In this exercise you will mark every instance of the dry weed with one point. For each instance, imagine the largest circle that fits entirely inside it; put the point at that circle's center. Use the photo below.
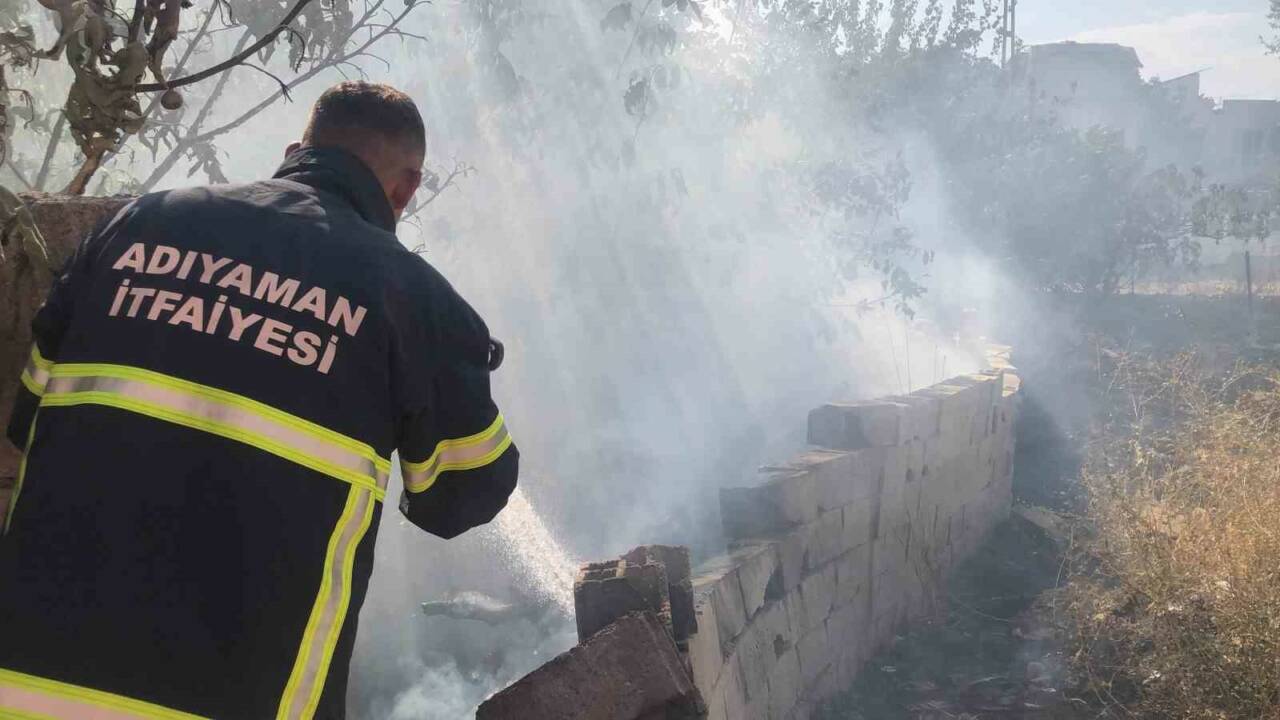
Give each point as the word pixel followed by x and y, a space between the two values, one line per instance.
pixel 1175 601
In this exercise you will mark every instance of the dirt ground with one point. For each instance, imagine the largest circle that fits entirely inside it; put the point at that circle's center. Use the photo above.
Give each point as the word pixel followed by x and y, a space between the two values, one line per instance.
pixel 991 654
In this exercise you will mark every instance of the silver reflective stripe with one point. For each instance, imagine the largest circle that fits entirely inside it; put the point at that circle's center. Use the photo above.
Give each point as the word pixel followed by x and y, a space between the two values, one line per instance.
pixel 466 454
pixel 221 414
pixel 27 696
pixel 36 375
pixel 311 668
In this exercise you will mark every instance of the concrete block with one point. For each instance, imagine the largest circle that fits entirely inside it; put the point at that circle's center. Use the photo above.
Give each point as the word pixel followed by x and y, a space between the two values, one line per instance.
pixel 893 482
pixel 840 477
pixel 627 670
pixel 820 689
pixel 833 473
pixel 888 595
pixel 988 452
pixel 716 709
pixel 785 685
pixel 605 591
pixel 706 656
pixel 939 495
pixel 920 420
pixel 913 460
pixel 991 383
pixel 718 583
pixel 850 426
pixel 759 574
pixel 860 520
pixel 890 553
pixel 675 559
pixel 848 636
pixel 817 597
pixel 793 553
pixel 826 540
pixel 931 459
pixel 785 500
pixel 853 575
pixel 963 402
pixel 815 655
pixel 998 356
pixel 729 692
pixel 870 466
pixel 766 638
pixel 757 708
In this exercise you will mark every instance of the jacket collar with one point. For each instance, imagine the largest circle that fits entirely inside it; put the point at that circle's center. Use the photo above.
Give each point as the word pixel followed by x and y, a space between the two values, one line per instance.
pixel 339 172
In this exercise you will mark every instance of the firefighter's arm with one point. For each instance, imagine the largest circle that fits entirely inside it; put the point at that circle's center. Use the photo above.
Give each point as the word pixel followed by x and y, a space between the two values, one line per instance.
pixel 456 455
pixel 47 330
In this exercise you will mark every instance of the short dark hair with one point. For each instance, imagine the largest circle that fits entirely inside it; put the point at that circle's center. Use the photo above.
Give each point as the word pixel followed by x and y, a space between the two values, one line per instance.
pixel 349 112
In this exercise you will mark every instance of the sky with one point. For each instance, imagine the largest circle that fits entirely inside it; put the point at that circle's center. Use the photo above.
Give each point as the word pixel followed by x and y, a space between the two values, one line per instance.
pixel 1172 37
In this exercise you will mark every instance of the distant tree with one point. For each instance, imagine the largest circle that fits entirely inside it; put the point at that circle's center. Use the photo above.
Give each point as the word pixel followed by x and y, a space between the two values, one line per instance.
pixel 110 54
pixel 1273 18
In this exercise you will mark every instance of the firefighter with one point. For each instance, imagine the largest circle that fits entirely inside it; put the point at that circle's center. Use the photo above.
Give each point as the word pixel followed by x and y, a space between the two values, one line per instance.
pixel 218 382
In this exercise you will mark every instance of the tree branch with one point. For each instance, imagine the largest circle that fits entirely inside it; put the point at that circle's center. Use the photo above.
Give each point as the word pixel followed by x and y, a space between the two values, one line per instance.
pixel 18 173
pixel 55 139
pixel 232 61
pixel 329 63
pixel 135 22
pixel 335 59
pixel 92 161
pixel 184 144
pixel 283 87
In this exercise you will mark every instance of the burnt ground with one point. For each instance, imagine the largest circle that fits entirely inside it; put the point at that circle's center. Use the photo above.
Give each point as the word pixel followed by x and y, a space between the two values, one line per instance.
pixel 992 653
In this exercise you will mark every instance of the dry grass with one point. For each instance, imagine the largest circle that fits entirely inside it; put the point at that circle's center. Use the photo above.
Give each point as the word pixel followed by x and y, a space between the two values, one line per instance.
pixel 1175 602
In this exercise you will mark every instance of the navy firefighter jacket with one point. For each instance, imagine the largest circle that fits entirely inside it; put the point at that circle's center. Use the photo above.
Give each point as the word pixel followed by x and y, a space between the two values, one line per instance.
pixel 219 380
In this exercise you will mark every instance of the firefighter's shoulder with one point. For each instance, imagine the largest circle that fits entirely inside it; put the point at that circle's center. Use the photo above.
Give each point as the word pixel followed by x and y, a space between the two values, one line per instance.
pixel 433 299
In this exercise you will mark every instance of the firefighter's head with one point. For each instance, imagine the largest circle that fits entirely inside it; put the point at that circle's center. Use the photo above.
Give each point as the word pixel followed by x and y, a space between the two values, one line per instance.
pixel 381 126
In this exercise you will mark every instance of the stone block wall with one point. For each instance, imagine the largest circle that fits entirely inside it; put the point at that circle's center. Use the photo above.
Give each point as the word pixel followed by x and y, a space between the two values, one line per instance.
pixel 830 555
pixel 24 281
pixel 836 551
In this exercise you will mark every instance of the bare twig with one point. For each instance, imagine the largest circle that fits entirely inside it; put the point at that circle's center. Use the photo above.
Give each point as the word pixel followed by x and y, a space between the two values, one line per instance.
pixel 8 161
pixel 284 88
pixel 320 67
pixel 92 161
pixel 336 59
pixel 232 61
pixel 55 138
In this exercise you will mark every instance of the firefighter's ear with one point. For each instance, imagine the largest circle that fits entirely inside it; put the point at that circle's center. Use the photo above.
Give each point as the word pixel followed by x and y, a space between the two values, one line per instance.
pixel 400 192
pixel 291 148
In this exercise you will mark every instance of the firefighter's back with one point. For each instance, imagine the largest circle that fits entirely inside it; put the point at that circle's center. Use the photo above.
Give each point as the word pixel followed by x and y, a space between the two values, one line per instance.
pixel 209 452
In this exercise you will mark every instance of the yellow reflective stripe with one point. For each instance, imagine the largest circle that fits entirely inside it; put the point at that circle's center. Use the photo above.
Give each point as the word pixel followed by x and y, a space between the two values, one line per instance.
pixel 28 696
pixel 38 360
pixel 220 413
pixel 32 384
pixel 22 473
pixel 465 453
pixel 36 374
pixel 228 398
pixel 311 668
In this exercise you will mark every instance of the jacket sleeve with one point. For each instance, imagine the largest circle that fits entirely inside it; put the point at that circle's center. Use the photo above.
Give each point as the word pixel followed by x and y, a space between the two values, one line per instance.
pixel 47 329
pixel 456 455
